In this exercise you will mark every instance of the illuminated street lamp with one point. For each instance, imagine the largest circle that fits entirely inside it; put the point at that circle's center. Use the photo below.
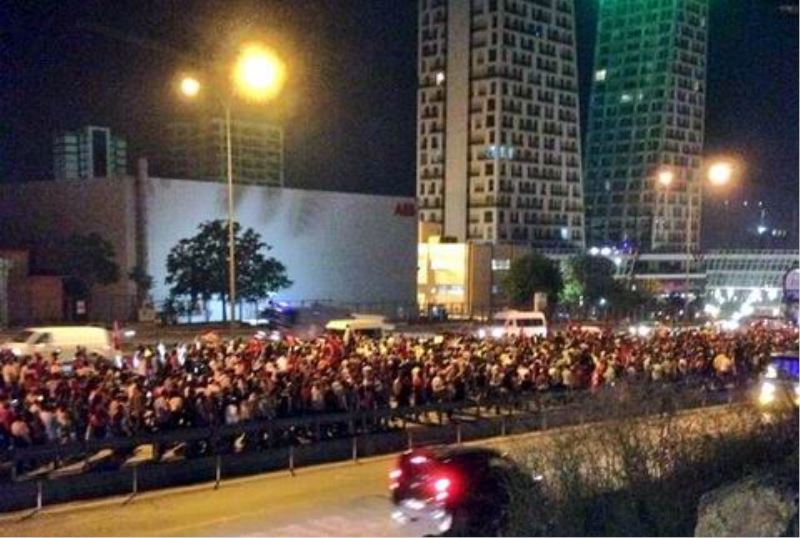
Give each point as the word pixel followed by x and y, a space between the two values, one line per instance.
pixel 718 174
pixel 190 86
pixel 665 177
pixel 258 75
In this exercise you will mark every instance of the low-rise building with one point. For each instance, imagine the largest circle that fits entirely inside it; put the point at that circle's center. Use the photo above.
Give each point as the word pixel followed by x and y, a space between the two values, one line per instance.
pixel 337 247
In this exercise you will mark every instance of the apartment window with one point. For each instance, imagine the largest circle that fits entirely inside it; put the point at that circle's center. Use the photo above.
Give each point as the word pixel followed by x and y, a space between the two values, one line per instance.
pixel 488 216
pixel 600 75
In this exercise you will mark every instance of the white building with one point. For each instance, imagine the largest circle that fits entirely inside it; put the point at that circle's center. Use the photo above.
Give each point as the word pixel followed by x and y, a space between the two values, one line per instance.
pixel 355 250
pixel 498 153
pixel 90 152
pixel 196 149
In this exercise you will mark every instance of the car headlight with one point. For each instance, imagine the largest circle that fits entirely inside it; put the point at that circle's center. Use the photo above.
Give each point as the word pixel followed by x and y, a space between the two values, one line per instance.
pixel 767 395
pixel 497 333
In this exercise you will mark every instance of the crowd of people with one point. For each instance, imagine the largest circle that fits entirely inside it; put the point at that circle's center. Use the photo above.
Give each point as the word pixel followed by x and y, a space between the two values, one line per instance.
pixel 211 382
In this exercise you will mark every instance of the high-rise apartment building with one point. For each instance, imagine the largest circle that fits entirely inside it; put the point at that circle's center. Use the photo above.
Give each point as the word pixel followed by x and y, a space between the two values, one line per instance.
pixel 197 150
pixel 87 153
pixel 498 152
pixel 645 121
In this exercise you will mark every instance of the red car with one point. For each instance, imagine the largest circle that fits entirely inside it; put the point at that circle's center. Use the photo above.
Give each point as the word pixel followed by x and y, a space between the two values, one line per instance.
pixel 453 490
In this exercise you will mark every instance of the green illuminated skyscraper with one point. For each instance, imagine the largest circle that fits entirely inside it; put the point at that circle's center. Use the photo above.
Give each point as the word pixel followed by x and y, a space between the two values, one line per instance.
pixel 646 120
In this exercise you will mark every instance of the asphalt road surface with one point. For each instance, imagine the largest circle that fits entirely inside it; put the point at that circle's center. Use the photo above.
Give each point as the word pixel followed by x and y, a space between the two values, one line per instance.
pixel 343 499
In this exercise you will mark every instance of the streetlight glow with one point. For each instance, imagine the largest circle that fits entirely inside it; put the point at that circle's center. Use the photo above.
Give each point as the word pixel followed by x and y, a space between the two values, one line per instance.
pixel 258 73
pixel 190 86
pixel 665 177
pixel 720 173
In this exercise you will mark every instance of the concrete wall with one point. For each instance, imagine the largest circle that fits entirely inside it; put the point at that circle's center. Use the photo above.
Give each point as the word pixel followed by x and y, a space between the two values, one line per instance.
pixel 339 246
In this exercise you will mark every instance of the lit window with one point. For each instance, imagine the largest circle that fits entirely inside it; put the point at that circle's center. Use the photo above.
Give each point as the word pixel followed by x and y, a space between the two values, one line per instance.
pixel 501 265
pixel 439 78
pixel 625 98
pixel 565 233
pixel 600 75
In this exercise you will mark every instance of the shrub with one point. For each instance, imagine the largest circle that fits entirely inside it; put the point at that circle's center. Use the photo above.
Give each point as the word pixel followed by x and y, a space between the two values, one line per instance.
pixel 642 476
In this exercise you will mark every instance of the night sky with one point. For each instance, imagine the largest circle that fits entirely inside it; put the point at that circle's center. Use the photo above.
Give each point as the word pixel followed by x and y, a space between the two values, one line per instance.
pixel 349 106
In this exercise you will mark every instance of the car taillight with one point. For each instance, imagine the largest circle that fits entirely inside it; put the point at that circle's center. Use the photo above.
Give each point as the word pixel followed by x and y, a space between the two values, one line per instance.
pixel 394 476
pixel 442 488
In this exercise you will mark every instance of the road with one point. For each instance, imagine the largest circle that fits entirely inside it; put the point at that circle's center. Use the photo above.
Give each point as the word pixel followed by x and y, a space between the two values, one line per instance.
pixel 342 499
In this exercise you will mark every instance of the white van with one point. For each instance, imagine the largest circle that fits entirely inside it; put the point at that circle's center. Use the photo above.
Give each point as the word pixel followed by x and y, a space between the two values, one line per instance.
pixel 373 326
pixel 66 340
pixel 516 323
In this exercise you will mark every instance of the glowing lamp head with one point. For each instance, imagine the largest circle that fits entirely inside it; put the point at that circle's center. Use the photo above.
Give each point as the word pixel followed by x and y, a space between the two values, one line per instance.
pixel 441 485
pixel 259 73
pixel 665 178
pixel 190 86
pixel 720 173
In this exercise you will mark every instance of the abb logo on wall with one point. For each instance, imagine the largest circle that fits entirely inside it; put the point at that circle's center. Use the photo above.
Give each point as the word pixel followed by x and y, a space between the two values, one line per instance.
pixel 406 209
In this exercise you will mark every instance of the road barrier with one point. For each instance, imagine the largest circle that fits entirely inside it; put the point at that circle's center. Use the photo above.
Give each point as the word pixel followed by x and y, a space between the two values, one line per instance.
pixel 367 435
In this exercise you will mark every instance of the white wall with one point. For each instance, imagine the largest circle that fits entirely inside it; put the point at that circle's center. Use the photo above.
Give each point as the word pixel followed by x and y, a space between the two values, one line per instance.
pixel 339 246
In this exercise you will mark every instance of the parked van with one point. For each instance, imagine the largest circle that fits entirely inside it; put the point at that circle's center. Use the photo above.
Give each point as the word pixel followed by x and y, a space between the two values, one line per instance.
pixel 66 340
pixel 372 326
pixel 516 323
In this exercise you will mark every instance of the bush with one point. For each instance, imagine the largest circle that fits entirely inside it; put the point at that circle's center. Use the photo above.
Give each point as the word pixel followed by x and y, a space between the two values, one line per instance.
pixel 643 476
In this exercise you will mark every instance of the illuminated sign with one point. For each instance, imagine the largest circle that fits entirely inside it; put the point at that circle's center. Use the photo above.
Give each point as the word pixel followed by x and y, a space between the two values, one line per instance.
pixel 791 285
pixel 405 209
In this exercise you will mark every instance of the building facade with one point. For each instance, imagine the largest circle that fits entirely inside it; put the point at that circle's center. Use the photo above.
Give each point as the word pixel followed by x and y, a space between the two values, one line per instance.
pixel 498 140
pixel 338 248
pixel 90 152
pixel 197 150
pixel 646 118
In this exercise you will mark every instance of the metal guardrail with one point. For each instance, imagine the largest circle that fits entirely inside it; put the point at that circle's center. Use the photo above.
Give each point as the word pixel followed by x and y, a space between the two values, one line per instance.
pixel 516 415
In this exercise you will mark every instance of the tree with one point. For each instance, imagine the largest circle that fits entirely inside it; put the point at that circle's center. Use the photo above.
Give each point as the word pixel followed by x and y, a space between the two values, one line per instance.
pixel 197 267
pixel 144 282
pixel 590 278
pixel 87 260
pixel 531 274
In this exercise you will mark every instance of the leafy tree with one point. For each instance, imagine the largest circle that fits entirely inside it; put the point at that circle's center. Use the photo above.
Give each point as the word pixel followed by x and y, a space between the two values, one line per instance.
pixel 144 282
pixel 590 277
pixel 531 274
pixel 87 260
pixel 198 266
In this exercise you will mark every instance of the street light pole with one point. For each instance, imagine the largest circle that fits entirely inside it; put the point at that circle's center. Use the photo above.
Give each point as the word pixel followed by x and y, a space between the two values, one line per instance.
pixel 231 232
pixel 258 75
